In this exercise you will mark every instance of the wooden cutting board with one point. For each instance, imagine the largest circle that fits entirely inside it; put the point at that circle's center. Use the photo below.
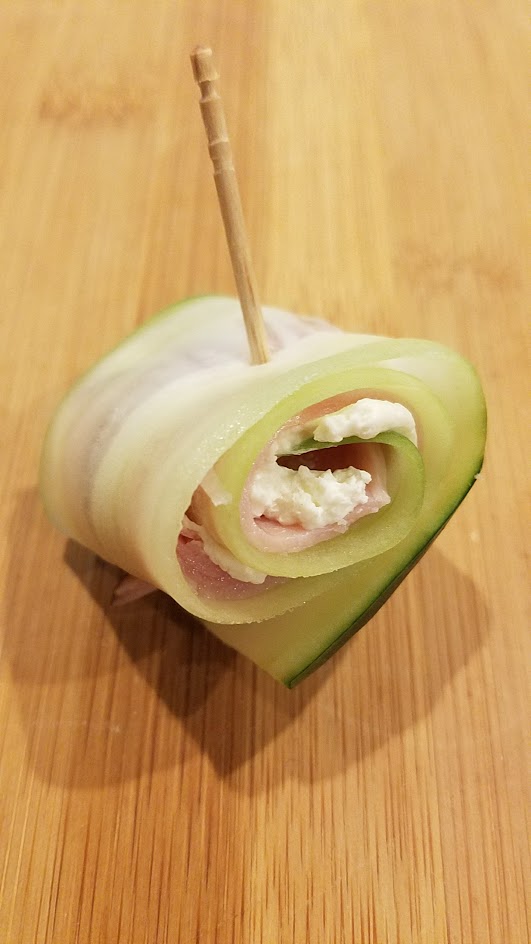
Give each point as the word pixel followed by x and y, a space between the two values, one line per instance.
pixel 154 786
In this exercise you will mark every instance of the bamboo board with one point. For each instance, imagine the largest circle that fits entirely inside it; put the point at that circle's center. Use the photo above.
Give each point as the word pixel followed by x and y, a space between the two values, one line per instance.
pixel 154 787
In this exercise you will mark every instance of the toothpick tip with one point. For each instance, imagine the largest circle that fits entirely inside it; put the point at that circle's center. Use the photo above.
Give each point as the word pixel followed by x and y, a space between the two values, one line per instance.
pixel 203 64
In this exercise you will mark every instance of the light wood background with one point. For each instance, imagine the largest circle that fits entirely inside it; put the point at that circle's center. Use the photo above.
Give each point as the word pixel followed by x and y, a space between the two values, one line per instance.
pixel 155 788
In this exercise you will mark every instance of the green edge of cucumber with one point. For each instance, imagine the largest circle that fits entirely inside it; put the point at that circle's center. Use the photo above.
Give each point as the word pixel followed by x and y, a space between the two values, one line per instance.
pixel 378 602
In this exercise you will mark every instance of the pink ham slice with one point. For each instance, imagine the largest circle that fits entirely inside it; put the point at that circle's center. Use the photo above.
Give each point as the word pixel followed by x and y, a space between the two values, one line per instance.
pixel 208 578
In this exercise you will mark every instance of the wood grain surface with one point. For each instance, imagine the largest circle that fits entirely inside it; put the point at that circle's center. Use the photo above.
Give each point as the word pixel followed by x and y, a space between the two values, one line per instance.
pixel 155 788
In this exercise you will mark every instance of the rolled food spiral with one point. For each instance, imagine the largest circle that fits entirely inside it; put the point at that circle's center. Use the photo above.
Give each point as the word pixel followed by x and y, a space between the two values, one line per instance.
pixel 279 503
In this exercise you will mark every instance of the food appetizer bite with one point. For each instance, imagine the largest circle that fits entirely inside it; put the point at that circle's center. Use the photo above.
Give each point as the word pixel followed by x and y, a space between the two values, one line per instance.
pixel 280 502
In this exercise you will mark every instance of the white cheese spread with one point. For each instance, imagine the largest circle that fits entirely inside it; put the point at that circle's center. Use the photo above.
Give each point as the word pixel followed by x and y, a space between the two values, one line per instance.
pixel 307 497
pixel 366 419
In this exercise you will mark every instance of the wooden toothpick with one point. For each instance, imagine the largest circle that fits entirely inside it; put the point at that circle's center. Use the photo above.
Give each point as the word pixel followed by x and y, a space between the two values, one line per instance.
pixel 206 76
